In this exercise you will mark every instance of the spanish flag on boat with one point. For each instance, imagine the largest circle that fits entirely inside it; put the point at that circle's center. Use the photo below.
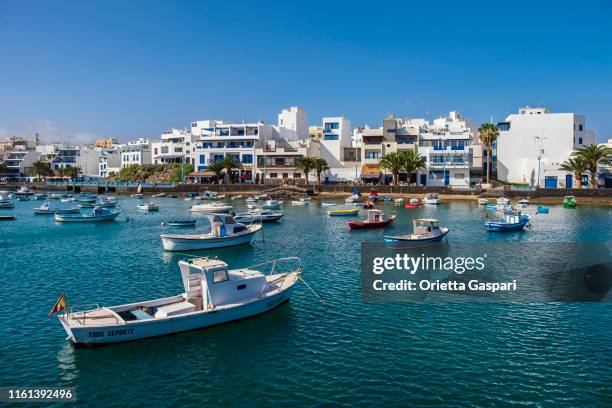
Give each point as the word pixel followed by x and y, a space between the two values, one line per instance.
pixel 60 304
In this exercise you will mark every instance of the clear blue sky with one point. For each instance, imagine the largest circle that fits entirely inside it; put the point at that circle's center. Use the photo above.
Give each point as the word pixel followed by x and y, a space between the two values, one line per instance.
pixel 84 69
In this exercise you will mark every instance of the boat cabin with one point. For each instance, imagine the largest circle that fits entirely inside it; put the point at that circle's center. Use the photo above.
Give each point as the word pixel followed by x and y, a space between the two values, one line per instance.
pixel 425 226
pixel 224 224
pixel 376 216
pixel 432 196
pixel 209 283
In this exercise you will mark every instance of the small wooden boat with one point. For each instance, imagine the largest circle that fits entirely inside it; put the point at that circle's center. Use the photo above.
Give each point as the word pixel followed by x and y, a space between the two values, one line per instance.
pixel 272 205
pixel 211 208
pixel 6 203
pixel 510 222
pixel 523 202
pixel 388 198
pixel 376 219
pixel 342 212
pixel 426 231
pixel 569 202
pixel 213 294
pixel 148 207
pixel 368 204
pixel 542 210
pixel 301 201
pixel 328 203
pixel 258 215
pixel 182 223
pixel 45 208
pixel 225 232
pixel 236 197
pixel 432 198
pixel 413 203
pixel 40 196
pixel 373 195
pixel 7 217
pixel 159 195
pixel 137 195
pixel 23 198
pixel 97 215
pixel 483 201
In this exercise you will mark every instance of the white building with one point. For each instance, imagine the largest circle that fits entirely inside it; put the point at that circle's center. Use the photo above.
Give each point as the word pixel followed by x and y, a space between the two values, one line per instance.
pixel 109 162
pixel 336 147
pixel 276 161
pixel 445 144
pixel 138 153
pixel 533 143
pixel 19 163
pixel 294 120
pixel 171 147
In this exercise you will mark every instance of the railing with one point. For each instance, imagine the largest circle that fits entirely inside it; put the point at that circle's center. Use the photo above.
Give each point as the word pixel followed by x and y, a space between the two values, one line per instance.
pixel 273 270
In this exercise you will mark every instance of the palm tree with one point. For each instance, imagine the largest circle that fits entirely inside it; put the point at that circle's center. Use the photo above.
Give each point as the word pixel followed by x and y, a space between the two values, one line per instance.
pixel 392 162
pixel 306 164
pixel 229 164
pixel 217 168
pixel 594 155
pixel 3 168
pixel 576 166
pixel 41 168
pixel 71 172
pixel 488 133
pixel 412 161
pixel 320 166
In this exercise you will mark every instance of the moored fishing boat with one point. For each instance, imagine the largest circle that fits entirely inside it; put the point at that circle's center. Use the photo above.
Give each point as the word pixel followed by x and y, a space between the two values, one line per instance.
pixel 23 198
pixel 483 201
pixel 182 223
pixel 376 219
pixel 523 202
pixel 87 198
pixel 97 215
pixel 259 215
pixel 569 202
pixel 432 198
pixel 137 195
pixel 510 222
pixel 342 212
pixel 40 196
pixel 398 201
pixel 159 195
pixel 301 201
pixel 328 203
pixel 107 202
pixel 373 195
pixel 6 202
pixel 147 207
pixel 503 201
pixel 7 217
pixel 387 198
pixel 23 191
pixel 271 205
pixel 45 208
pixel 413 203
pixel 213 294
pixel 211 208
pixel 542 210
pixel 53 196
pixel 225 232
pixel 425 231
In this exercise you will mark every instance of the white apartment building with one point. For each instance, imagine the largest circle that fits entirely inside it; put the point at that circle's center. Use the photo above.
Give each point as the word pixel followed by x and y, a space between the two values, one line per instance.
pixel 171 147
pixel 19 163
pixel 445 144
pixel 533 143
pixel 292 124
pixel 109 162
pixel 336 147
pixel 136 153
pixel 276 161
pixel 85 159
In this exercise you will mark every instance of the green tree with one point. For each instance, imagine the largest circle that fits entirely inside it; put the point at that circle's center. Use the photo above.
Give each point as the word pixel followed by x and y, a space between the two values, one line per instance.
pixel 217 168
pixel 229 164
pixel 3 168
pixel 320 167
pixel 394 162
pixel 41 168
pixel 594 155
pixel 306 164
pixel 71 172
pixel 576 166
pixel 179 173
pixel 412 161
pixel 488 133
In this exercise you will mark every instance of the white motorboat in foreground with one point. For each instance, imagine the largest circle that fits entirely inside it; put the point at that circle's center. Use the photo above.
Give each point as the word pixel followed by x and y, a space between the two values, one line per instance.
pixel 211 208
pixel 258 215
pixel 432 198
pixel 225 232
pixel 213 294
pixel 148 207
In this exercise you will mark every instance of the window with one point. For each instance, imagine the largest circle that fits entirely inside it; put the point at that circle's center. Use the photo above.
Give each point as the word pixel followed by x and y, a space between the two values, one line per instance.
pixel 241 286
pixel 331 137
pixel 297 175
pixel 202 159
pixel 247 158
pixel 220 276
pixel 273 175
pixel 155 150
pixel 332 125
pixel 580 128
pixel 579 140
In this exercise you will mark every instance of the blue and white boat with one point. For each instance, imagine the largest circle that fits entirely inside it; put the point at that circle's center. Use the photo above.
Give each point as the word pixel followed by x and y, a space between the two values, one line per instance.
pixel 510 222
pixel 258 216
pixel 328 203
pixel 182 223
pixel 426 231
pixel 6 202
pixel 213 294
pixel 225 232
pixel 85 198
pixel 45 208
pixel 97 215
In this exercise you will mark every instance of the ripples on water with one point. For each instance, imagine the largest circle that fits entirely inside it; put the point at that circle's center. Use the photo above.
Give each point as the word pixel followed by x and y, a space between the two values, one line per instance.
pixel 353 353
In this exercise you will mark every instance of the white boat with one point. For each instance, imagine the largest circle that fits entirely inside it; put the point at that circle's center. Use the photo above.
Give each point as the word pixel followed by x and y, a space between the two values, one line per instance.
pixel 301 201
pixel 53 196
pixel 483 201
pixel 262 197
pixel 40 196
pixel 251 200
pixel 23 198
pixel 225 232
pixel 252 206
pixel 107 202
pixel 502 201
pixel 67 199
pixel 213 294
pixel 97 215
pixel 148 207
pixel 272 205
pixel 6 202
pixel 158 195
pixel 426 231
pixel 352 199
pixel 45 208
pixel 137 195
pixel 236 197
pixel 432 198
pixel 211 208
pixel 258 215
pixel 523 202
pixel 328 203
pixel 24 191
pixel 398 201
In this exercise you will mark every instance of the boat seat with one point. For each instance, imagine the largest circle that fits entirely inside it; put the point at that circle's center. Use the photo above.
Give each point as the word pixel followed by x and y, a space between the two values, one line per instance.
pixel 141 314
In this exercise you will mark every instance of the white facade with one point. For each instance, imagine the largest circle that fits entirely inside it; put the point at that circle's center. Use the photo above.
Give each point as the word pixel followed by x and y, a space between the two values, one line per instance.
pixel 109 162
pixel 276 161
pixel 170 149
pixel 139 154
pixel 293 119
pixel 445 144
pixel 334 147
pixel 533 143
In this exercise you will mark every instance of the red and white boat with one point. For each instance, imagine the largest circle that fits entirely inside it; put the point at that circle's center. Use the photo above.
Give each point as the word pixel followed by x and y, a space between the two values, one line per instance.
pixel 376 219
pixel 413 203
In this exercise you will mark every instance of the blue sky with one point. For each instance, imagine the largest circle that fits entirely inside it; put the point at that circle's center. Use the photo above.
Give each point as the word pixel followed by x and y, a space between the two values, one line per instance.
pixel 79 70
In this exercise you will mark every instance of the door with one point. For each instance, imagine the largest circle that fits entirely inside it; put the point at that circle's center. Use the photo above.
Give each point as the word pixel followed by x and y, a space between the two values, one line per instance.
pixel 568 181
pixel 423 179
pixel 446 178
pixel 550 182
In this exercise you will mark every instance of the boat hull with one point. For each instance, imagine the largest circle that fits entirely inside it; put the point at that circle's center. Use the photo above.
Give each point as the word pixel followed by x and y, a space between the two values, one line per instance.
pixel 255 218
pixel 85 218
pixel 187 243
pixel 38 211
pixel 365 225
pixel 397 242
pixel 160 327
pixel 342 213
pixel 495 226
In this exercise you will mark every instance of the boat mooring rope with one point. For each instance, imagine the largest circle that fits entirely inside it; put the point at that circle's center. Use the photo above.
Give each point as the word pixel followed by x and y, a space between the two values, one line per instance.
pixel 315 293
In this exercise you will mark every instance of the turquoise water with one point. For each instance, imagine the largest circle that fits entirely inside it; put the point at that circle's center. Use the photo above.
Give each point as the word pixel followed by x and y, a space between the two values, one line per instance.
pixel 353 353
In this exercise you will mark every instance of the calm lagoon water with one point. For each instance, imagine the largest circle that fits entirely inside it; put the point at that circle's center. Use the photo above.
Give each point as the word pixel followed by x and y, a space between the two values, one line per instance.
pixel 353 354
